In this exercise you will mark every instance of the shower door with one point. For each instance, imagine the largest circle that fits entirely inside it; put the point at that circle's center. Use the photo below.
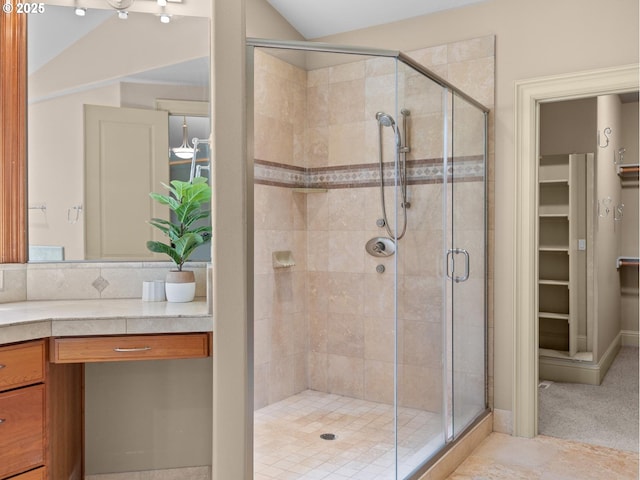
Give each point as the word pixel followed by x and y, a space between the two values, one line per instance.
pixel 465 263
pixel 421 311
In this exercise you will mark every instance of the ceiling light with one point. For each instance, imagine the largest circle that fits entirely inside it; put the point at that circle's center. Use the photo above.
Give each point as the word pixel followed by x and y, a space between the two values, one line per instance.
pixel 81 12
pixel 123 14
pixel 184 150
pixel 162 3
pixel 164 18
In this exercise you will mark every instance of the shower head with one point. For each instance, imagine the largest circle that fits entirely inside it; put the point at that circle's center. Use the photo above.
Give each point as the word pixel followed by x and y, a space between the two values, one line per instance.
pixel 385 119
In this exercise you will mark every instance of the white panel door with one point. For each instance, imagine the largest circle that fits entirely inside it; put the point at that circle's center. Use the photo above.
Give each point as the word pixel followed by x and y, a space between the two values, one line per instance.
pixel 126 157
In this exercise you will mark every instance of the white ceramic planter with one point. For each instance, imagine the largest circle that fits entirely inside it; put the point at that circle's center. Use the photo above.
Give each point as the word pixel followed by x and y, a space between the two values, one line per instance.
pixel 180 287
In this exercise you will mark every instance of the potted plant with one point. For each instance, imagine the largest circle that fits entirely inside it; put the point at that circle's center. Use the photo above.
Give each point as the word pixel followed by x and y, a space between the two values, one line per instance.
pixel 186 201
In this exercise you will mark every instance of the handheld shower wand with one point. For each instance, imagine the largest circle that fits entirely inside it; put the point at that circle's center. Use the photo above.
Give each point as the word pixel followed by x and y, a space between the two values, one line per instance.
pixel 386 120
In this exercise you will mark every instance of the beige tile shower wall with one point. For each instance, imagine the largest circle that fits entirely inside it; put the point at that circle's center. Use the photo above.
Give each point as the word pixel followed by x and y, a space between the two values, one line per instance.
pixel 280 107
pixel 279 316
pixel 280 224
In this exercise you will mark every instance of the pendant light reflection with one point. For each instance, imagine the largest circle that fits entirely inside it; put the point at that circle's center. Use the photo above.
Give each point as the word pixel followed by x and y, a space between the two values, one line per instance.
pixel 185 150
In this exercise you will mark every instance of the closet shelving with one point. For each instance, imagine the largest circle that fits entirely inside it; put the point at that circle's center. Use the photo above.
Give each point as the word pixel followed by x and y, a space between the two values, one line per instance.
pixel 627 262
pixel 630 170
pixel 557 302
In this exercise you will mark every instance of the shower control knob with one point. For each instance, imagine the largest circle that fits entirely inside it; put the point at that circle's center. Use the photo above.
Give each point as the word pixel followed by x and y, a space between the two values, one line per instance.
pixel 380 247
pixel 380 222
pixel 380 269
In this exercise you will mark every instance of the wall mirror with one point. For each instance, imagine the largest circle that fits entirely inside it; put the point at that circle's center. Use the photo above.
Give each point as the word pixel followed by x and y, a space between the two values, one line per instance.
pixel 108 96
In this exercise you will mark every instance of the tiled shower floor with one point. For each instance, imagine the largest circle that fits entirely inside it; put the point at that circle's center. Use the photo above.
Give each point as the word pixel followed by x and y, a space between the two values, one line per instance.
pixel 287 443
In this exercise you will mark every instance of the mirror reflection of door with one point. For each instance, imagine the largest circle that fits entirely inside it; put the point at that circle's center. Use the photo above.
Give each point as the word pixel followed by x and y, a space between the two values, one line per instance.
pixel 125 159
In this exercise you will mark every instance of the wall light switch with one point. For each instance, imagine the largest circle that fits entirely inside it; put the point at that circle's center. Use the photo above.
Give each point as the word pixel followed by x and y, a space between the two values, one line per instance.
pixel 582 244
pixel 1 280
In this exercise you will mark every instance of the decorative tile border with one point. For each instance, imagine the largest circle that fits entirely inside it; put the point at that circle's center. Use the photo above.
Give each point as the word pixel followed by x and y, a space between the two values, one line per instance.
pixel 467 169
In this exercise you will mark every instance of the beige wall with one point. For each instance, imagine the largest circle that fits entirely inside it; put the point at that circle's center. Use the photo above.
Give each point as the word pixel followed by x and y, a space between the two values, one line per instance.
pixel 533 39
pixel 607 235
pixel 98 57
pixel 56 167
pixel 567 127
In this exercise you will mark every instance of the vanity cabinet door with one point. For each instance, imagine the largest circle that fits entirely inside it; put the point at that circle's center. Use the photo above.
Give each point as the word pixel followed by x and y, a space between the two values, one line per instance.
pixel 22 424
pixel 22 364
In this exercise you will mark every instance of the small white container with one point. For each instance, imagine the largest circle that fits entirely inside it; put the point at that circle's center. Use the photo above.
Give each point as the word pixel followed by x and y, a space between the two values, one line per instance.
pixel 153 291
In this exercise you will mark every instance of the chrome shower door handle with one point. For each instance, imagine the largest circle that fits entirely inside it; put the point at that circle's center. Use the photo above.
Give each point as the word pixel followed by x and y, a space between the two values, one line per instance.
pixel 451 268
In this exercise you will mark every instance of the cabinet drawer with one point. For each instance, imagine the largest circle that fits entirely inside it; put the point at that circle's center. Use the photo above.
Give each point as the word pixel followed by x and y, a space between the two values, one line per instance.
pixel 129 347
pixel 38 474
pixel 21 430
pixel 21 364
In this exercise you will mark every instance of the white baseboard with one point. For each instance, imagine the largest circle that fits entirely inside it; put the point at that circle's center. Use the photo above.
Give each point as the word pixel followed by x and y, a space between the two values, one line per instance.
pixel 502 421
pixel 187 473
pixel 630 338
pixel 568 370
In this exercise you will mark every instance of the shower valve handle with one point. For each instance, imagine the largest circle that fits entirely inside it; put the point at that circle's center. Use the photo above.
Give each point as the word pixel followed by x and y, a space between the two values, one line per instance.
pixel 379 247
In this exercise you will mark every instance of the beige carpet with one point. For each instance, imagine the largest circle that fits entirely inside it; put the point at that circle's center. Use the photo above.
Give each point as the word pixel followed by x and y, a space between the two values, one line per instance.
pixel 604 415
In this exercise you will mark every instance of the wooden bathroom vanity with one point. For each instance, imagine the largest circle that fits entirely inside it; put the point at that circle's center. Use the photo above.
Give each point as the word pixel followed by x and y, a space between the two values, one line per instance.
pixel 42 358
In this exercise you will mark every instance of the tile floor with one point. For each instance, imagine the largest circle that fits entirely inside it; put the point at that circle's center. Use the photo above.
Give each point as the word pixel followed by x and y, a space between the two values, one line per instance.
pixel 288 446
pixel 287 443
pixel 503 457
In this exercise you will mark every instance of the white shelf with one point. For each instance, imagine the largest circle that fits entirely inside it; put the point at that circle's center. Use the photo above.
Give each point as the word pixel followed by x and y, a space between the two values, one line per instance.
pixel 554 248
pixel 554 215
pixel 552 181
pixel 554 316
pixel 554 282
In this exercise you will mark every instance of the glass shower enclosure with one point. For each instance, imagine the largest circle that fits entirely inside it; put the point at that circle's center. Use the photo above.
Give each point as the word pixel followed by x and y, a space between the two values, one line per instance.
pixel 369 207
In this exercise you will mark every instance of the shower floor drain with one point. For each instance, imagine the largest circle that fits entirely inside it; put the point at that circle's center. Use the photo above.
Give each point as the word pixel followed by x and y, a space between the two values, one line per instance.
pixel 328 436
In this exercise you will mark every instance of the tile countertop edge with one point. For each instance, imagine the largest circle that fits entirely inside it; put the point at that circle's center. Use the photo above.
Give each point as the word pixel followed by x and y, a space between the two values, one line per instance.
pixel 40 319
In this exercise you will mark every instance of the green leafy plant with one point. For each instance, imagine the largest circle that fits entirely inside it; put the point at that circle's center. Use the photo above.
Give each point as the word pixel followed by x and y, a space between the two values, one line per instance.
pixel 186 201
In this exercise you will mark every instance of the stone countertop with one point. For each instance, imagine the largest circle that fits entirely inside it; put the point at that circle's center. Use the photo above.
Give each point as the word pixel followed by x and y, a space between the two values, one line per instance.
pixel 40 319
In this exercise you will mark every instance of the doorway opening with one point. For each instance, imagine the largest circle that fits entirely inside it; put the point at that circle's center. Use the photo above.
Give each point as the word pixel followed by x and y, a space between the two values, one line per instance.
pixel 530 94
